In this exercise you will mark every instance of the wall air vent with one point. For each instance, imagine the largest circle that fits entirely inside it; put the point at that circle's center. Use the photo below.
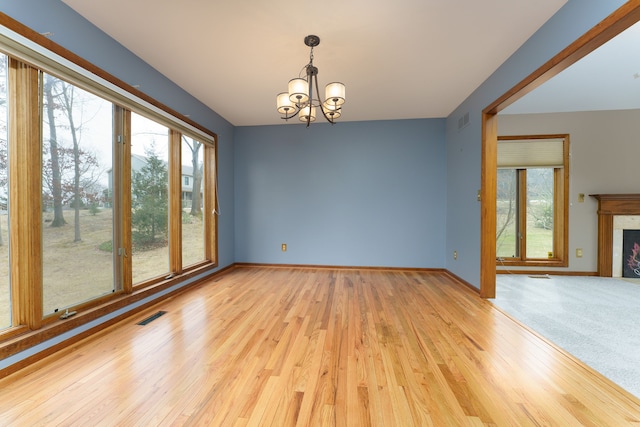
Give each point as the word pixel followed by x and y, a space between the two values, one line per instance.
pixel 463 121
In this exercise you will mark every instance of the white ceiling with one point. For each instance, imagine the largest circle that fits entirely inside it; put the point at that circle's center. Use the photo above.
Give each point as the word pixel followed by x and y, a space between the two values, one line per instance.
pixel 398 59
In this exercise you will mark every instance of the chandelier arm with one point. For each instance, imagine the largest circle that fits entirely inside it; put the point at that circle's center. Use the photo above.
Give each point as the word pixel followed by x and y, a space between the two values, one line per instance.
pixel 303 70
pixel 291 116
pixel 322 107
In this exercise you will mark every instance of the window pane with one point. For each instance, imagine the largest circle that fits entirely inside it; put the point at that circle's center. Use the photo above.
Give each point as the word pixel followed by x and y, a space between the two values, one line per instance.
pixel 192 201
pixel 78 223
pixel 5 286
pixel 507 214
pixel 149 198
pixel 539 213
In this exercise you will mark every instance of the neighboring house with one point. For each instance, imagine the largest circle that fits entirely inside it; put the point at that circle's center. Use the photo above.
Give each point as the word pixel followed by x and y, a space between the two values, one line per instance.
pixel 187 185
pixel 138 162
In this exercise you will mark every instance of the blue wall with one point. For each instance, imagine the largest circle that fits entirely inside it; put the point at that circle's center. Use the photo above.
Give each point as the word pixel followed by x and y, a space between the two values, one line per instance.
pixel 78 35
pixel 360 194
pixel 464 146
pixel 368 193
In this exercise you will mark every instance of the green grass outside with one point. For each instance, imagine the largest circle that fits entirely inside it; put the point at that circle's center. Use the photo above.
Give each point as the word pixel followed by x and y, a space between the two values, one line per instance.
pixel 539 243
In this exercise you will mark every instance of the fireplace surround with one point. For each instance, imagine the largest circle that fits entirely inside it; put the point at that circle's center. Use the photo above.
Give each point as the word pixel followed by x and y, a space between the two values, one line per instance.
pixel 630 255
pixel 623 207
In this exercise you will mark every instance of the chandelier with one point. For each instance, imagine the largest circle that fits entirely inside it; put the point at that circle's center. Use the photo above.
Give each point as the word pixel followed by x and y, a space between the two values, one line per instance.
pixel 300 101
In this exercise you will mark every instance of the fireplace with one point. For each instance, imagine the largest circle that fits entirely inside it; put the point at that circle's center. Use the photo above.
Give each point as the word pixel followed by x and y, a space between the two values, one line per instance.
pixel 631 253
pixel 617 213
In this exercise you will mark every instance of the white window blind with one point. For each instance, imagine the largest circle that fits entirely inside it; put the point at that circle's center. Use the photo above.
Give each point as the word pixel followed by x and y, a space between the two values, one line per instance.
pixel 530 153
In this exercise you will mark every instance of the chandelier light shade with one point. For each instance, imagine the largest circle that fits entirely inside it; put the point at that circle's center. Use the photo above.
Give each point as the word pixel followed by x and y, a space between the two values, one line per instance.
pixel 331 111
pixel 285 106
pixel 308 114
pixel 299 100
pixel 334 93
pixel 298 91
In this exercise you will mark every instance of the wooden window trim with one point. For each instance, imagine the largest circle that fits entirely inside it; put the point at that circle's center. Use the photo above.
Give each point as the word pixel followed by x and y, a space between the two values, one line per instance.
pixel 560 215
pixel 210 205
pixel 121 203
pixel 175 202
pixel 25 187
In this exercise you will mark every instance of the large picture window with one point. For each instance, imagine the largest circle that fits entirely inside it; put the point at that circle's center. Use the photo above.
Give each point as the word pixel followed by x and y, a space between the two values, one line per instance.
pixel 103 194
pixel 532 202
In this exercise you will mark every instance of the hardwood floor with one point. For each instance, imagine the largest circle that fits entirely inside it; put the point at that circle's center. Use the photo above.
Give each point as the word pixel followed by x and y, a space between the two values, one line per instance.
pixel 308 347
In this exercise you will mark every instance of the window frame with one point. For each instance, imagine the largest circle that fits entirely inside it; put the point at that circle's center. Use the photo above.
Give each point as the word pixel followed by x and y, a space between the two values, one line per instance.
pixel 560 213
pixel 115 284
pixel 30 53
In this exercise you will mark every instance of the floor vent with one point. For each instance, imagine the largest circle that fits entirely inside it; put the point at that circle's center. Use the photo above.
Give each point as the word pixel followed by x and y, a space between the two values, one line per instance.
pixel 151 318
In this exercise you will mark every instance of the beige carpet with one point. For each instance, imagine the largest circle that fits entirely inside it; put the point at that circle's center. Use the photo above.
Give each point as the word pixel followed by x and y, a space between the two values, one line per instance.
pixel 594 318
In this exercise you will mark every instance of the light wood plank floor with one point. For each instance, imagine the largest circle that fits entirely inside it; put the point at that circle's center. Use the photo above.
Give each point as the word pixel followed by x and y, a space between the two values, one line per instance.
pixel 316 347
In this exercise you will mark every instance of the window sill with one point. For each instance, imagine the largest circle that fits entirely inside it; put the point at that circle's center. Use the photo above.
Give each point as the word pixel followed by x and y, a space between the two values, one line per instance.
pixel 506 262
